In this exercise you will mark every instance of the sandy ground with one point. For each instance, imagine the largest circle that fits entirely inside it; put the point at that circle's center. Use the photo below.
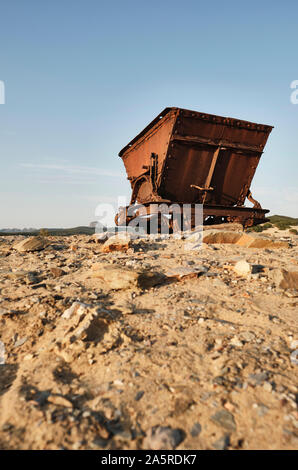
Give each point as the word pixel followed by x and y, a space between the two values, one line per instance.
pixel 203 358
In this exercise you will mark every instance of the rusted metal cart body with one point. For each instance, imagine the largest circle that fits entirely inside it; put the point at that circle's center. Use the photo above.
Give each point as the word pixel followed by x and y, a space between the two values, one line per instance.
pixel 188 157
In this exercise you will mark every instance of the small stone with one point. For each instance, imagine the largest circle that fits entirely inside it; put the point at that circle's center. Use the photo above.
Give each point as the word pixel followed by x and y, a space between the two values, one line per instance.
pixel 294 344
pixel 100 442
pixel 51 256
pixel 242 268
pixel 225 419
pixel 59 401
pixel 119 242
pixel 247 336
pixel 236 342
pixel 20 342
pixel 222 443
pixel 100 237
pixel 163 438
pixel 262 410
pixel 31 278
pixel 196 429
pixel 258 379
pixel 241 239
pixel 267 386
pixel 180 273
pixel 57 272
pixel 28 357
pixel 125 278
pixel 229 406
pixel 3 311
pixel 76 308
pixel 221 236
pixel 86 325
pixel 118 382
pixel 284 278
pixel 31 244
pixel 139 395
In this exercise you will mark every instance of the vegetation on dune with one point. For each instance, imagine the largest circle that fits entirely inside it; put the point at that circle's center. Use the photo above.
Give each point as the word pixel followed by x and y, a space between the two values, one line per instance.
pixel 281 222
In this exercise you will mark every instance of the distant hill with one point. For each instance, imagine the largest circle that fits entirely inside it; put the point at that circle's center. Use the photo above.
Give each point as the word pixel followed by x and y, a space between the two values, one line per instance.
pixel 283 222
pixel 280 221
pixel 55 231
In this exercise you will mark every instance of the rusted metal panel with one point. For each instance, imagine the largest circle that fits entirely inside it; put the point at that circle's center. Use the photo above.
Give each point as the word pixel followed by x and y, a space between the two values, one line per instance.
pixel 199 158
pixel 136 156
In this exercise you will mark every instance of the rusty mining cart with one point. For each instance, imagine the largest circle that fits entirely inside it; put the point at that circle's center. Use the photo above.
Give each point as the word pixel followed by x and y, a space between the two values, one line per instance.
pixel 188 157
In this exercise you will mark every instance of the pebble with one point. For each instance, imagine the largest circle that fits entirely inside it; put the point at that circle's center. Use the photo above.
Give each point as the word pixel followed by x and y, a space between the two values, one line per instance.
pixel 222 443
pixel 242 268
pixel 20 342
pixel 236 342
pixel 247 336
pixel 60 401
pixel 163 438
pixel 57 272
pixel 118 277
pixel 267 386
pixel 196 429
pixel 76 308
pixel 31 244
pixel 118 383
pixel 28 357
pixel 258 379
pixel 119 242
pixel 139 395
pixel 262 410
pixel 225 419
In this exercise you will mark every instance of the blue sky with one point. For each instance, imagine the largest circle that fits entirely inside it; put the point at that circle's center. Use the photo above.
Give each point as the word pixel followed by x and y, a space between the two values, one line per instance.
pixel 83 77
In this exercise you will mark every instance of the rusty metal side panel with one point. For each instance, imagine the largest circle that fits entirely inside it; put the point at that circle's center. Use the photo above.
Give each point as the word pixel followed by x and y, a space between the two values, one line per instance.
pixel 189 164
pixel 220 129
pixel 193 143
pixel 232 178
pixel 156 140
pixel 185 165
